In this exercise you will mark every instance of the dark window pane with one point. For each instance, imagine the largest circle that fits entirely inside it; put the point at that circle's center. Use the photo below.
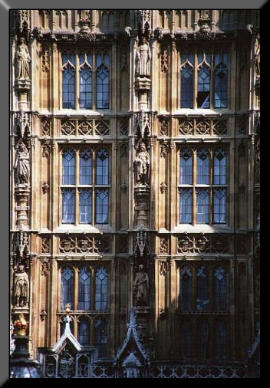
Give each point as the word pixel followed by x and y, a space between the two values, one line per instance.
pixel 203 340
pixel 68 206
pixel 185 206
pixel 186 289
pixel 102 206
pixel 102 167
pixel 67 285
pixel 187 87
pixel 102 88
pixel 85 206
pixel 220 167
pixel 68 88
pixel 84 332
pixel 203 95
pixel 85 88
pixel 202 289
pixel 84 289
pixel 186 342
pixel 221 86
pixel 221 341
pixel 85 167
pixel 101 337
pixel 221 289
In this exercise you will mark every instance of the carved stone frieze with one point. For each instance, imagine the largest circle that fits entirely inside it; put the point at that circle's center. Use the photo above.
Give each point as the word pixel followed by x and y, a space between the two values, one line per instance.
pixel 85 127
pixel 85 244
pixel 123 126
pixel 204 126
pixel 45 126
pixel 219 127
pixel 164 149
pixel 186 127
pixel 45 59
pixel 22 124
pixel 144 21
pixel 46 147
pixel 45 266
pixel 23 21
pixel 164 58
pixel 164 126
pixel 164 245
pixel 45 244
pixel 68 127
pixel 202 243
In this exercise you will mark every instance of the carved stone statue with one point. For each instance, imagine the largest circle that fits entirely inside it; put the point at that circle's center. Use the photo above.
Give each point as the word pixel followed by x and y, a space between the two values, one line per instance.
pixel 22 165
pixel 141 287
pixel 23 60
pixel 21 287
pixel 142 164
pixel 143 57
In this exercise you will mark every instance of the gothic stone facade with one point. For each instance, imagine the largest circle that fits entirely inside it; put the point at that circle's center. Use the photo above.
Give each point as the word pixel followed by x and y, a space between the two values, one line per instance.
pixel 135 190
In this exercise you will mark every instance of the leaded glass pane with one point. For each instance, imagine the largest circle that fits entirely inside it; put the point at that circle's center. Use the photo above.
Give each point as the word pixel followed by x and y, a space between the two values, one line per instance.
pixel 219 200
pixel 202 167
pixel 102 93
pixel 186 340
pixel 202 289
pixel 220 81
pixel 102 167
pixel 68 206
pixel 85 206
pixel 67 288
pixel 85 88
pixel 221 340
pixel 84 332
pixel 186 289
pixel 203 96
pixel 203 339
pixel 102 206
pixel 68 168
pixel 101 336
pixel 68 88
pixel 186 167
pixel 86 167
pixel 101 297
pixel 185 206
pixel 221 289
pixel 220 167
pixel 187 87
pixel 84 289
pixel 202 206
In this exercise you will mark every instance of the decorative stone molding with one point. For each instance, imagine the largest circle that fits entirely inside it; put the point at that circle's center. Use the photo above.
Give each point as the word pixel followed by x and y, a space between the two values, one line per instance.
pixel 163 187
pixel 123 126
pixel 45 187
pixel 45 126
pixel 164 245
pixel 45 244
pixel 204 126
pixel 202 243
pixel 85 244
pixel 164 149
pixel 68 127
pixel 46 147
pixel 164 126
pixel 45 266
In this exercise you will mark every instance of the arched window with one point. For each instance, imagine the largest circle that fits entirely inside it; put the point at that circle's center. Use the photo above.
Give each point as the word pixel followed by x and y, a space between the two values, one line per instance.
pixel 220 167
pixel 102 94
pixel 203 95
pixel 68 81
pixel 187 86
pixel 67 283
pixel 68 165
pixel 202 289
pixel 102 167
pixel 68 206
pixel 85 167
pixel 219 209
pixel 221 340
pixel 221 81
pixel 84 289
pixel 186 289
pixel 102 206
pixel 221 289
pixel 101 297
pixel 186 167
pixel 84 332
pixel 101 337
pixel 85 88
pixel 202 167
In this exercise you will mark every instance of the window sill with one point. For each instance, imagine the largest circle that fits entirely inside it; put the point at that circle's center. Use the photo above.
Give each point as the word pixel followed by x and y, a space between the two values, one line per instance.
pixel 68 228
pixel 202 112
pixel 202 228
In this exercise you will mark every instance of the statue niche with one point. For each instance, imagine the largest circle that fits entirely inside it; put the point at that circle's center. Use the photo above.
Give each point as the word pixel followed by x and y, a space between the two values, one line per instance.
pixel 22 165
pixel 142 59
pixel 21 287
pixel 142 165
pixel 23 60
pixel 141 287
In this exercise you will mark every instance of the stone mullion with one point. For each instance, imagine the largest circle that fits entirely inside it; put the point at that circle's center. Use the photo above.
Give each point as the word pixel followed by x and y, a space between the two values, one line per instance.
pixel 54 298
pixel 77 80
pixel 112 321
pixel 195 70
pixel 76 287
pixel 77 182
pixel 194 182
pixel 233 316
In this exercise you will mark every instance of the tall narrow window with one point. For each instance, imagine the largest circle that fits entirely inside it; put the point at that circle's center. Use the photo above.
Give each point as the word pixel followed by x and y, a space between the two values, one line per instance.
pixel 221 81
pixel 186 167
pixel 68 85
pixel 85 81
pixel 67 285
pixel 84 289
pixel 221 340
pixel 185 206
pixel 221 289
pixel 102 76
pixel 187 80
pixel 186 289
pixel 202 206
pixel 102 206
pixel 68 161
pixel 203 95
pixel 86 167
pixel 102 167
pixel 101 337
pixel 220 167
pixel 202 289
pixel 101 297
pixel 68 206
pixel 219 211
pixel 202 167
pixel 84 333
